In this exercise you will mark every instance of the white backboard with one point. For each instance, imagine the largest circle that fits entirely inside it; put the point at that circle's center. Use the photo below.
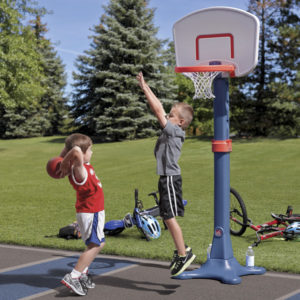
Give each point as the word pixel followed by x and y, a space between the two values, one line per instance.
pixel 224 34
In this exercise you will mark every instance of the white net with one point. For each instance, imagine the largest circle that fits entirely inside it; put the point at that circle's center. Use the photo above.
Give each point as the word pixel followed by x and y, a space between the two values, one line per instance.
pixel 203 83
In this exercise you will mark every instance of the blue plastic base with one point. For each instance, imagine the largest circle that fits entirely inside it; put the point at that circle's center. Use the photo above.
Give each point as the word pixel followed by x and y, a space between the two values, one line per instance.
pixel 227 271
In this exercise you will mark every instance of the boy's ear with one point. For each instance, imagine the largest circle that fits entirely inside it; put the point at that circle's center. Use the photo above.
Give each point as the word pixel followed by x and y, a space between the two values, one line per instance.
pixel 181 122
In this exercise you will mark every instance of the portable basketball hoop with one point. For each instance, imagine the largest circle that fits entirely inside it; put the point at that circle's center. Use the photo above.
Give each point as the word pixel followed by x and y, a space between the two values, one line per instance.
pixel 210 45
pixel 203 77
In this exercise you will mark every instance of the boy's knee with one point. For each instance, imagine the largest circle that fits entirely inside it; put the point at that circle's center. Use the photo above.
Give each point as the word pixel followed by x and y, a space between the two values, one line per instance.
pixel 170 220
pixel 93 245
pixel 100 247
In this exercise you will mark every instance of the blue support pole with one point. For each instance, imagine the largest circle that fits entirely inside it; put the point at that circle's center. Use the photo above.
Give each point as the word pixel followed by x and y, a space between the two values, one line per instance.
pixel 222 265
pixel 222 249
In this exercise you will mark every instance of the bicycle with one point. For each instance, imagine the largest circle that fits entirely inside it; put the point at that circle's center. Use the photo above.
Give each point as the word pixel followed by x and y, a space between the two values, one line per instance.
pixel 239 220
pixel 115 227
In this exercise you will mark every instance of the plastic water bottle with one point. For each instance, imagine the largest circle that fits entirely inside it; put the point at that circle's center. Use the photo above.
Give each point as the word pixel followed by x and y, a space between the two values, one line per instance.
pixel 250 257
pixel 208 251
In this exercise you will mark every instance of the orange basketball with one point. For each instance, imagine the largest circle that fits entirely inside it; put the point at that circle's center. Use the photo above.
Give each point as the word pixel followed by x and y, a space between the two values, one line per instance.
pixel 53 166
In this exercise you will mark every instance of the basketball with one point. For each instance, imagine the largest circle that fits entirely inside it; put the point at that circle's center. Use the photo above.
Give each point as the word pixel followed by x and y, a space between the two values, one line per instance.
pixel 53 166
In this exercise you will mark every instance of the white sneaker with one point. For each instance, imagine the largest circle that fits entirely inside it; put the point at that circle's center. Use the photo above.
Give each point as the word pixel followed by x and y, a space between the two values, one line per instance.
pixel 74 284
pixel 86 279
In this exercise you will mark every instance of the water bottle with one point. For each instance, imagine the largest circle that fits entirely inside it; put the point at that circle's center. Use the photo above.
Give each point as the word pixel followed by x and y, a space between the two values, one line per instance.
pixel 250 257
pixel 208 251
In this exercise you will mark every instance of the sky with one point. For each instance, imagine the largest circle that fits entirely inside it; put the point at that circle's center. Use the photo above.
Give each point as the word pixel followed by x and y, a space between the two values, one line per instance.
pixel 70 22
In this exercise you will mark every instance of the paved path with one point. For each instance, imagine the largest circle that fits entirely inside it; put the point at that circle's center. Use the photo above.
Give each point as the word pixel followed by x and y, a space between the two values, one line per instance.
pixel 34 273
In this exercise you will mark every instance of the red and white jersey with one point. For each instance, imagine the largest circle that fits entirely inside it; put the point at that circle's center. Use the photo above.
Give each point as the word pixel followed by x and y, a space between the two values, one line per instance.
pixel 89 192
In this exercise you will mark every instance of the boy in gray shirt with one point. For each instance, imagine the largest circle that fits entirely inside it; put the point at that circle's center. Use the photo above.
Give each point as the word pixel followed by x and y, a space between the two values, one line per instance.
pixel 167 152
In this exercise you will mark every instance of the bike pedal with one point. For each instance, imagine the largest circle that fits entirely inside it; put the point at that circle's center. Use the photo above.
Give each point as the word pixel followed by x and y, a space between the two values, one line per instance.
pixel 289 210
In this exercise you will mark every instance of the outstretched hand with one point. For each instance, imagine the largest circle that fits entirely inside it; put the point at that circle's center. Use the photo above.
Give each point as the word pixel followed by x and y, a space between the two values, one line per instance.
pixel 153 101
pixel 141 80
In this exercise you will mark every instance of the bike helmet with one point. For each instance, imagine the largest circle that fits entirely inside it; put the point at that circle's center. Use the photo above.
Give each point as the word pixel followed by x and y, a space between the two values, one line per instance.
pixel 150 227
pixel 292 231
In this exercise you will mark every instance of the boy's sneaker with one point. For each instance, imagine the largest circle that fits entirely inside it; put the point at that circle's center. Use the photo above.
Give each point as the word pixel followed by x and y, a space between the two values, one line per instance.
pixel 86 279
pixel 175 255
pixel 182 262
pixel 74 284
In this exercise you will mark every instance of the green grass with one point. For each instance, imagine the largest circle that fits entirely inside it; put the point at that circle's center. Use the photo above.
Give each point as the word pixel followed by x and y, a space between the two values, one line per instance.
pixel 264 171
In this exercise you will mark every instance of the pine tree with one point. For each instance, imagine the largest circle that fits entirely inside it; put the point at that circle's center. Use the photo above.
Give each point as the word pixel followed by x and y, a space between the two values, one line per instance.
pixel 107 100
pixel 264 102
pixel 53 105
pixel 284 101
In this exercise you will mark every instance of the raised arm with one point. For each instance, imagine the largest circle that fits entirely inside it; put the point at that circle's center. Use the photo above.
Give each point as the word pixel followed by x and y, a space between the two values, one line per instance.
pixel 73 158
pixel 153 101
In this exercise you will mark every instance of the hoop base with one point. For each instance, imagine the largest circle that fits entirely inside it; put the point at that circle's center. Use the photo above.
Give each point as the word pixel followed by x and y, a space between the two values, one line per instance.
pixel 227 271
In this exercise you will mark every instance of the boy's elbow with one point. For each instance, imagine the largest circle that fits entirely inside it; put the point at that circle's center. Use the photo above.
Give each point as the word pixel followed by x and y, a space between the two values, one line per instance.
pixel 77 155
pixel 77 151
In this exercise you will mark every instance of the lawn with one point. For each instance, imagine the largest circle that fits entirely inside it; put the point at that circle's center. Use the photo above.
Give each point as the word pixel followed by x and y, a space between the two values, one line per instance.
pixel 264 171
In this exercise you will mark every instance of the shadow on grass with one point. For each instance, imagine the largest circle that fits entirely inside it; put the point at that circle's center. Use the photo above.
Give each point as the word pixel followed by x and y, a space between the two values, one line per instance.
pixel 125 236
pixel 241 139
pixel 95 139
pixel 200 138
pixel 57 140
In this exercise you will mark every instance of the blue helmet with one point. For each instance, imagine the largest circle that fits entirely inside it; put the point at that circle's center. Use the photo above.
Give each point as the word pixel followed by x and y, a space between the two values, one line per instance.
pixel 150 227
pixel 292 231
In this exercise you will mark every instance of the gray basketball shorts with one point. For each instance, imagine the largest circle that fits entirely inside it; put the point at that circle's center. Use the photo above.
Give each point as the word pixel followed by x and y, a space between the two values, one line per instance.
pixel 170 197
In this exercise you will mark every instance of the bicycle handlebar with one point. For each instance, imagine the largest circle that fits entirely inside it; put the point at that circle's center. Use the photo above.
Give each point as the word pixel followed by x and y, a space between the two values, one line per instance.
pixel 154 194
pixel 284 218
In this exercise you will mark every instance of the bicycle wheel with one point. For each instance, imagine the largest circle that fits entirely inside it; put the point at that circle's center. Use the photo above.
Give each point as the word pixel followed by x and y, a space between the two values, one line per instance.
pixel 238 214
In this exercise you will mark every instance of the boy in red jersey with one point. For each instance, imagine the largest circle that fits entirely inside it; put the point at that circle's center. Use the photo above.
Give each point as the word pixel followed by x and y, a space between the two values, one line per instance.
pixel 90 213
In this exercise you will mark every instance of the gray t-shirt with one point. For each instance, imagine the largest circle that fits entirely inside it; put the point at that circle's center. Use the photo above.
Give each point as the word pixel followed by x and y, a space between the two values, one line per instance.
pixel 168 149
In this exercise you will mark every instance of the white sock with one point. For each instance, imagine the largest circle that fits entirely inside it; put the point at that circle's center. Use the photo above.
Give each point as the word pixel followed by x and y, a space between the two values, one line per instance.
pixel 85 271
pixel 75 274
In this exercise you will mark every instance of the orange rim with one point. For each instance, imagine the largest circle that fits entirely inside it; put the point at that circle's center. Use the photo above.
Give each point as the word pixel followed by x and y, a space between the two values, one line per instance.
pixel 207 68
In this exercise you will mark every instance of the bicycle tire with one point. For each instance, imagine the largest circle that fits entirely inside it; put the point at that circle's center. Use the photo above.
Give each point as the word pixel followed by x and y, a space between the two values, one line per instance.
pixel 239 212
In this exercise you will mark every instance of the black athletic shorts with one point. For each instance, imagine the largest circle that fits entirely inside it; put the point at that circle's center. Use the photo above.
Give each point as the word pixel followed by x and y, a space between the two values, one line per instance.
pixel 170 196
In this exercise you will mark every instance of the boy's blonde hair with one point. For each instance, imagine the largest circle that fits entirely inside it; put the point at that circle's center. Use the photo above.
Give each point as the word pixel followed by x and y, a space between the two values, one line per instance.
pixel 186 112
pixel 77 139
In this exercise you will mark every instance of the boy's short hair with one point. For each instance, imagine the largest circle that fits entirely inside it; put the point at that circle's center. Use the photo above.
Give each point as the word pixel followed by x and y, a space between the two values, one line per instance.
pixel 77 139
pixel 186 113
